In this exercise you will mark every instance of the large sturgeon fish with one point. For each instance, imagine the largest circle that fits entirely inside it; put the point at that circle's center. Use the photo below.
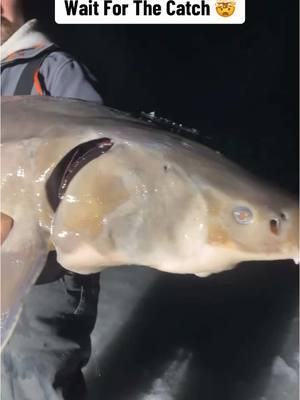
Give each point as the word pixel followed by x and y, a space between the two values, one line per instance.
pixel 104 189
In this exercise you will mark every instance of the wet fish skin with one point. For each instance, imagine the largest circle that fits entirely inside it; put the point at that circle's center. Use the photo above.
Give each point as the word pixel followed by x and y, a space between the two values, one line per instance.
pixel 156 188
pixel 152 199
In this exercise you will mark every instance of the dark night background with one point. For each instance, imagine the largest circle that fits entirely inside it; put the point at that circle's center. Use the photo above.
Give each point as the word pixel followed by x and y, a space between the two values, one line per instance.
pixel 238 85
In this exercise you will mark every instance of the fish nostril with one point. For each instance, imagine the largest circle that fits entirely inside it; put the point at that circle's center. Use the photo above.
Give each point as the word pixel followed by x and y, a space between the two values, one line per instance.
pixel 274 226
pixel 283 216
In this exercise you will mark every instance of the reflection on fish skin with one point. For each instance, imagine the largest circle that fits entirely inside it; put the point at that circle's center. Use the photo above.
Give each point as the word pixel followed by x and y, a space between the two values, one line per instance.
pixel 127 207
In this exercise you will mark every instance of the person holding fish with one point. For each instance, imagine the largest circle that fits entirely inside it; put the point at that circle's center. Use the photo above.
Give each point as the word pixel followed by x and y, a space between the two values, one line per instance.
pixel 144 197
pixel 6 224
pixel 51 343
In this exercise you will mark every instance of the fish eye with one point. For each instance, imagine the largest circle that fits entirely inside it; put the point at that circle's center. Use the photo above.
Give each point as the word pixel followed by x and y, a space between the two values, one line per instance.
pixel 243 215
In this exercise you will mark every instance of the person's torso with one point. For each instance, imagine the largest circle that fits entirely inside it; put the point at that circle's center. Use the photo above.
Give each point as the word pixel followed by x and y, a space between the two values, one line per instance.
pixel 21 72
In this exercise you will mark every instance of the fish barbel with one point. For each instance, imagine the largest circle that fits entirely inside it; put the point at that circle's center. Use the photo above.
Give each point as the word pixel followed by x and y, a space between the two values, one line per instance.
pixel 104 189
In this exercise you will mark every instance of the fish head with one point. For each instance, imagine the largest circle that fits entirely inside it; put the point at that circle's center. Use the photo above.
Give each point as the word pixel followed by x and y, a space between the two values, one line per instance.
pixel 99 222
pixel 263 225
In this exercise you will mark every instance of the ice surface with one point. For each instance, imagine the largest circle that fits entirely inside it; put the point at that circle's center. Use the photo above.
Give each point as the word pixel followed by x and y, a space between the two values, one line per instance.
pixel 166 337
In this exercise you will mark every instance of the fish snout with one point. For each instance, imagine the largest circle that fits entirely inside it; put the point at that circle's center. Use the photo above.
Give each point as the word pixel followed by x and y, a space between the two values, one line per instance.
pixel 279 222
pixel 284 225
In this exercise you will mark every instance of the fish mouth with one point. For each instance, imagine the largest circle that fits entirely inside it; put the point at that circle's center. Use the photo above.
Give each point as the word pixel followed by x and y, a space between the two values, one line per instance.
pixel 70 164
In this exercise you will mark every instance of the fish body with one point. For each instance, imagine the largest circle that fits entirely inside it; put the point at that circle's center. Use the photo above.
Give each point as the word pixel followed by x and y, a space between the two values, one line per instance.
pixel 104 189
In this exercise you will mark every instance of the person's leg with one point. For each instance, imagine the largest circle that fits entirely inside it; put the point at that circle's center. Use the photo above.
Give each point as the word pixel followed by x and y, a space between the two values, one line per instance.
pixel 51 343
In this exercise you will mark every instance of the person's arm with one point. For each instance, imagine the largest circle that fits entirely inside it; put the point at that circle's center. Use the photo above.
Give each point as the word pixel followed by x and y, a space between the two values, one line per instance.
pixel 65 77
pixel 6 224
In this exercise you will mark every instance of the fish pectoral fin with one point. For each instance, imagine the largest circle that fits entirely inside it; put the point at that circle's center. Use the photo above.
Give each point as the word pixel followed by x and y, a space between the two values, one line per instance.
pixel 23 255
pixel 203 274
pixel 225 267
